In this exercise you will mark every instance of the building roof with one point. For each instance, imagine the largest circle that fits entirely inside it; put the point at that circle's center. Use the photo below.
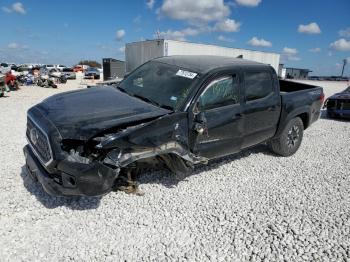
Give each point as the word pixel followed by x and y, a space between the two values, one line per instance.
pixel 203 44
pixel 205 63
pixel 301 69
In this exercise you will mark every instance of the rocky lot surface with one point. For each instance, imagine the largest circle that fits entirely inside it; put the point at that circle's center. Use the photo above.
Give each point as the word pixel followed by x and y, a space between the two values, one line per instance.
pixel 250 206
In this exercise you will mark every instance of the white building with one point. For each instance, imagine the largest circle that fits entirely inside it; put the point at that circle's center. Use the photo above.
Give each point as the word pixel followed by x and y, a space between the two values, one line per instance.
pixel 137 53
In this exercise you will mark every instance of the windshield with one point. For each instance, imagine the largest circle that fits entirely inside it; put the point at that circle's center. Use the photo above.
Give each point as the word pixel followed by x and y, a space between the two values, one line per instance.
pixel 347 90
pixel 161 84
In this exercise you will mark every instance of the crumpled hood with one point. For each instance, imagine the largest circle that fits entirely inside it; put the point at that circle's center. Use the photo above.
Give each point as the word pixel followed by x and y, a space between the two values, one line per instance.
pixel 85 113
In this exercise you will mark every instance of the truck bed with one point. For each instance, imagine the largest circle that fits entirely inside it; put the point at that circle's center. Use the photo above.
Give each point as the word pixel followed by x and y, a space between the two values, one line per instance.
pixel 298 97
pixel 289 86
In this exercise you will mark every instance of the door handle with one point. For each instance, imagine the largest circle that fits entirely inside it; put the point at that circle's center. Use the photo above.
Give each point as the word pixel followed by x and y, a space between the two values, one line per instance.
pixel 271 108
pixel 238 115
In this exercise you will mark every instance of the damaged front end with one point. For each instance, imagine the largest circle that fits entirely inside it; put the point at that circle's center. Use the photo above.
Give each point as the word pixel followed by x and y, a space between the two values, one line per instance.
pixel 71 175
pixel 164 139
pixel 97 165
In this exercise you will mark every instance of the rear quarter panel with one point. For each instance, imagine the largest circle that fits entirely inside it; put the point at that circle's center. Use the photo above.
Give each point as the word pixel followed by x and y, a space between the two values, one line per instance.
pixel 304 102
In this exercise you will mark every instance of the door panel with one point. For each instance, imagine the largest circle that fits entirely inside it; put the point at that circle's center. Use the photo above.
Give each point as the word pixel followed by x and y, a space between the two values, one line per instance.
pixel 261 120
pixel 224 132
pixel 219 103
pixel 261 107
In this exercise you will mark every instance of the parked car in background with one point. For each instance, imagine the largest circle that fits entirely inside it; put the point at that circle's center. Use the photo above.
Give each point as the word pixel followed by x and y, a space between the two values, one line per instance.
pixel 78 68
pixel 13 67
pixel 55 72
pixel 49 67
pixel 4 68
pixel 11 81
pixel 23 69
pixel 2 84
pixel 45 80
pixel 175 111
pixel 60 67
pixel 338 105
pixel 30 66
pixel 92 72
pixel 69 73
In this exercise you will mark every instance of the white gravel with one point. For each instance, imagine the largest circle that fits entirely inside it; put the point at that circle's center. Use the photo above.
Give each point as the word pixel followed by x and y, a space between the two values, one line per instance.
pixel 250 206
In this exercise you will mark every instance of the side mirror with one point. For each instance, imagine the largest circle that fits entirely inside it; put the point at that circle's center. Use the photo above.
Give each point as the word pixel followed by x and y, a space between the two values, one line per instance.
pixel 200 124
pixel 200 118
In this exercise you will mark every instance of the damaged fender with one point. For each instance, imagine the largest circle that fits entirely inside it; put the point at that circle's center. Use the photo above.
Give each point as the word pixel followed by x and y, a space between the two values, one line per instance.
pixel 165 137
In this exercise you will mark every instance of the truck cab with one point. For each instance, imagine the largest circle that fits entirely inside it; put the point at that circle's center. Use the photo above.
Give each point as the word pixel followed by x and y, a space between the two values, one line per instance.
pixel 241 107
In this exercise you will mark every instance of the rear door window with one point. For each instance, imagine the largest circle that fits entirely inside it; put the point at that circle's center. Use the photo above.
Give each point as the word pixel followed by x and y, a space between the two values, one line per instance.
pixel 257 85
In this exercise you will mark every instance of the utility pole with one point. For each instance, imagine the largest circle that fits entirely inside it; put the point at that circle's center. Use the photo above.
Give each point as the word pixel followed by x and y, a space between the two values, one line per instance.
pixel 344 63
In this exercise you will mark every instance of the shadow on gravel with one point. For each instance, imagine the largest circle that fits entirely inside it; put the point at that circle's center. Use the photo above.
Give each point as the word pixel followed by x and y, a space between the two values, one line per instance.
pixel 326 117
pixel 170 180
pixel 74 203
pixel 151 176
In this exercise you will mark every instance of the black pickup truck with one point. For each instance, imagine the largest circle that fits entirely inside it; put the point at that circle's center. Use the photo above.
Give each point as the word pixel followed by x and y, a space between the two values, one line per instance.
pixel 175 111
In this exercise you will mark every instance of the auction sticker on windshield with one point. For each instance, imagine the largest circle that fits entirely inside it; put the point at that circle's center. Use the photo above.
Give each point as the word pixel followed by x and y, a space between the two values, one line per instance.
pixel 186 74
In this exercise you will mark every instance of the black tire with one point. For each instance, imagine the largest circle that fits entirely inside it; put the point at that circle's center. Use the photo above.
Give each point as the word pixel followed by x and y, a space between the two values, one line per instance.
pixel 290 139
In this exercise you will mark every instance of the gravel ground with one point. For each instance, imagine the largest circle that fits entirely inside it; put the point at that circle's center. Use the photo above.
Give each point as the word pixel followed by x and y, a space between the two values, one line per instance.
pixel 250 206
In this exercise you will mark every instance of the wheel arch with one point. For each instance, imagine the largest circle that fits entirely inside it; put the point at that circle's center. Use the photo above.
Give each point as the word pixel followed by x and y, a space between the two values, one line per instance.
pixel 305 118
pixel 303 113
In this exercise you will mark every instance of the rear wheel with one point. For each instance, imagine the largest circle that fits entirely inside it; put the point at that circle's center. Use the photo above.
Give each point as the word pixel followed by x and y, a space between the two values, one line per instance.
pixel 290 139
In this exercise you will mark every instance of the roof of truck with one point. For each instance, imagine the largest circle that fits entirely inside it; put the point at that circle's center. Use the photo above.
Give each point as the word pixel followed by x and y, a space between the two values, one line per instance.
pixel 205 63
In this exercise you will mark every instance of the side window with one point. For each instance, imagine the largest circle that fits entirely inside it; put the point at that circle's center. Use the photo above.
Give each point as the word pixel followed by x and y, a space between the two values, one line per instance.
pixel 257 85
pixel 220 92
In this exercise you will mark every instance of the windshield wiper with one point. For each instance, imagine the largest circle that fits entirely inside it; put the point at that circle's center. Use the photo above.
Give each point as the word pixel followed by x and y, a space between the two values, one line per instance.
pixel 148 100
pixel 121 89
pixel 145 99
pixel 167 107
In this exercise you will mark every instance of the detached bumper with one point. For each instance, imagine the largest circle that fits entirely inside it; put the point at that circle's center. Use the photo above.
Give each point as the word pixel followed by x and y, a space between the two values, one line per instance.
pixel 71 178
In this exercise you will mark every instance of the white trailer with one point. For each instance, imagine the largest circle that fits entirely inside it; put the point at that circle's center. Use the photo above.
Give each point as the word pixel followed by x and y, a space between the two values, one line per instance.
pixel 137 53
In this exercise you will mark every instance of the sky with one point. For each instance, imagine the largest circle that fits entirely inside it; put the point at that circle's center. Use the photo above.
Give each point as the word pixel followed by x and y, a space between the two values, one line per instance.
pixel 309 34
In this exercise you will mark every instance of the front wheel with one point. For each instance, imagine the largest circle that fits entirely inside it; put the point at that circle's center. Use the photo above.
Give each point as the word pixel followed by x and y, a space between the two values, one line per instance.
pixel 290 139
